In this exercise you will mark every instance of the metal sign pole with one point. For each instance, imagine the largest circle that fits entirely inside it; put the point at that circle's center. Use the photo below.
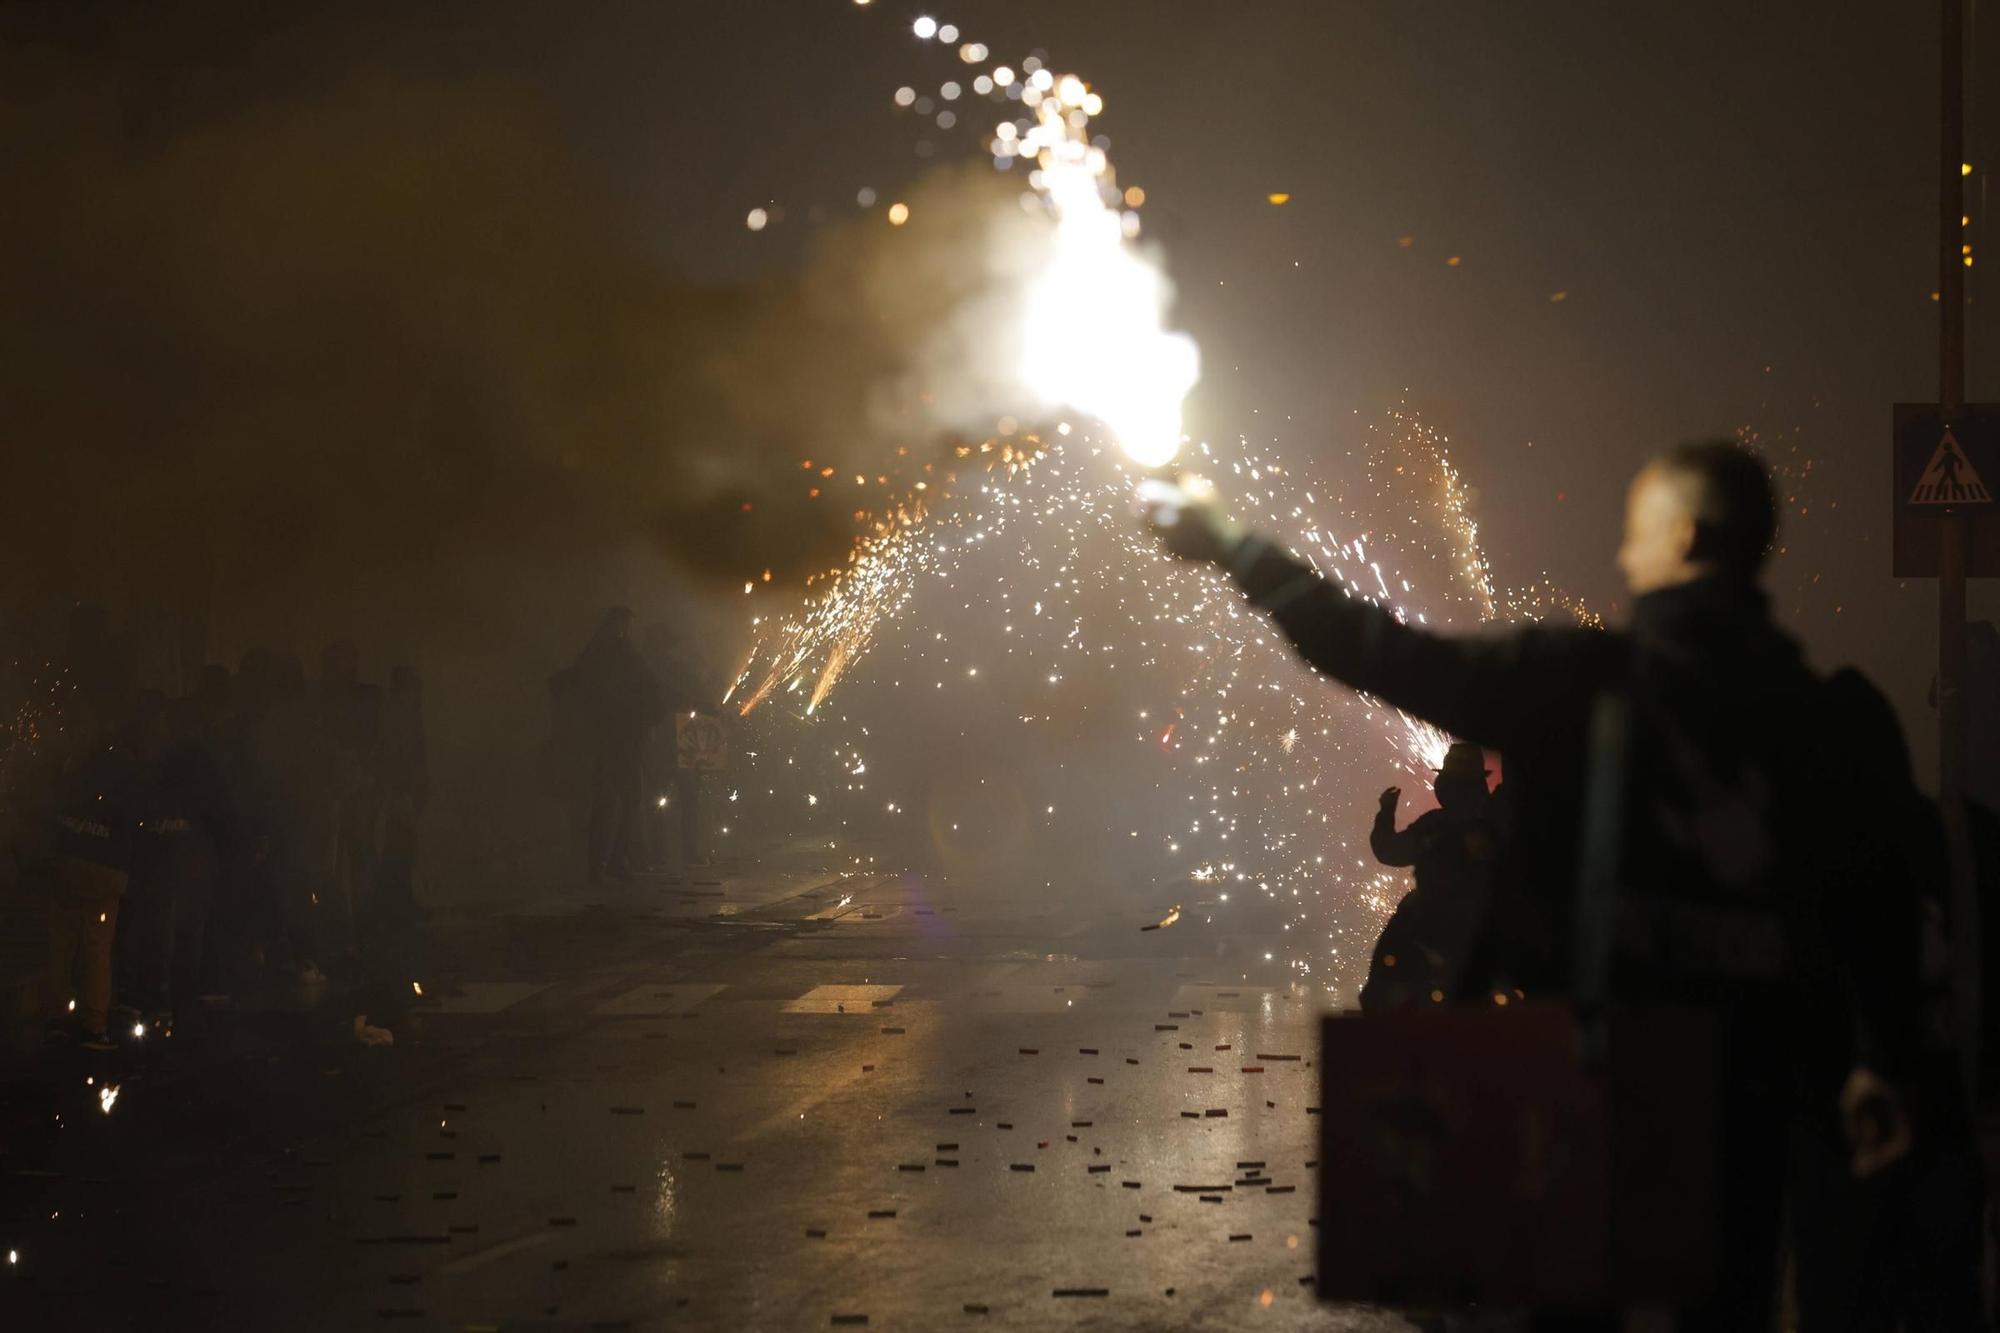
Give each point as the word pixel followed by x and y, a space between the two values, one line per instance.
pixel 1951 396
pixel 1951 544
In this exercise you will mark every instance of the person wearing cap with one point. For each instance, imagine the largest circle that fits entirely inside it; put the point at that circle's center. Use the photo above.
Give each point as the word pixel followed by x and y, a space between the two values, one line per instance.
pixel 82 859
pixel 1423 951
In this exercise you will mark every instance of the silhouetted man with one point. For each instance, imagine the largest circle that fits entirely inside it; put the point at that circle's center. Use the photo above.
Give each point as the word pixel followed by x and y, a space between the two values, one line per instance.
pixel 179 834
pixel 1752 883
pixel 405 767
pixel 1424 949
pixel 98 663
pixel 83 863
pixel 615 702
pixel 682 696
pixel 1982 713
pixel 1901 1250
pixel 335 776
pixel 297 762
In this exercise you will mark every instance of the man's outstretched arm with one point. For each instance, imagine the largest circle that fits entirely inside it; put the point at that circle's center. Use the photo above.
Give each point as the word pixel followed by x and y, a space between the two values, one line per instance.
pixel 1481 689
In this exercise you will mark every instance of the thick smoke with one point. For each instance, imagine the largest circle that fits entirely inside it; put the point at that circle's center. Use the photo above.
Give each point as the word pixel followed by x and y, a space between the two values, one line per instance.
pixel 375 357
pixel 386 352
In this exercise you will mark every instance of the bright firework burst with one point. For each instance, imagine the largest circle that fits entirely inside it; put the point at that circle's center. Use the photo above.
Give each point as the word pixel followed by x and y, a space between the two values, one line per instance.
pixel 1093 337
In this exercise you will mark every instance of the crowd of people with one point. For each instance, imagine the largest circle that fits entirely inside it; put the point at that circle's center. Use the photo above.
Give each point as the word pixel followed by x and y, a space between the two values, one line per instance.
pixel 260 827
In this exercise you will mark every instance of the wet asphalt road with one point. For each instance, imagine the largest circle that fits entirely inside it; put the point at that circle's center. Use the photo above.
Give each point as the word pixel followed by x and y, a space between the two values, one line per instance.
pixel 771 1102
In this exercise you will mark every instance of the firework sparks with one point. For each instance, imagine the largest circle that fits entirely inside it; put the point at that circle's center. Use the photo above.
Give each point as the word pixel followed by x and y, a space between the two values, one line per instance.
pixel 1029 595
pixel 37 721
pixel 1011 614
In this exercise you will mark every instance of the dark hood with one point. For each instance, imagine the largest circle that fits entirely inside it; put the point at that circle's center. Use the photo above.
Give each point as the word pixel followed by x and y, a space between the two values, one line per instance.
pixel 1707 654
pixel 1713 631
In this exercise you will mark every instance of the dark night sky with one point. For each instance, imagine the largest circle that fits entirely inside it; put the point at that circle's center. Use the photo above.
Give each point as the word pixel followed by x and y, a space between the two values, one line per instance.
pixel 1737 199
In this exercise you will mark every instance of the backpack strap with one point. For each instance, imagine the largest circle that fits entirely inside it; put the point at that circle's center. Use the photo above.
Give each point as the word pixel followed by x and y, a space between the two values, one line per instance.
pixel 1607 768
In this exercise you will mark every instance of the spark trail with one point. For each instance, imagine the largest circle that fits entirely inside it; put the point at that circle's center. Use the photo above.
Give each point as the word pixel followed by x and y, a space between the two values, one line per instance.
pixel 1126 717
pixel 1008 678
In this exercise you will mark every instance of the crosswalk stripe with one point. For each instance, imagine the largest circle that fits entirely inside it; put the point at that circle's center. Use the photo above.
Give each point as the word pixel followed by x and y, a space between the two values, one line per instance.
pixel 652 1001
pixel 841 999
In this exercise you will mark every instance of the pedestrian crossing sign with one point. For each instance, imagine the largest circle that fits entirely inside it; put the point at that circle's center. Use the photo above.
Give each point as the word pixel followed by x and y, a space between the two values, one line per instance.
pixel 1949 477
pixel 1942 474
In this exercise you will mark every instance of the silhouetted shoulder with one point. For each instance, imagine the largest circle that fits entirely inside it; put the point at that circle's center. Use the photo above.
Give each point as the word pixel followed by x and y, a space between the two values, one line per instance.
pixel 1860 716
pixel 1554 671
pixel 1577 645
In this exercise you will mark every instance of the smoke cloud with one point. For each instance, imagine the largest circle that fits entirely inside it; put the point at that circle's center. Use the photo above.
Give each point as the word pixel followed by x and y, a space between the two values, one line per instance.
pixel 385 351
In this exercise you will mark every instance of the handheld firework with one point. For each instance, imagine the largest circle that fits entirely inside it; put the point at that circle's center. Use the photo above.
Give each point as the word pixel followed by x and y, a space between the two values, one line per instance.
pixel 1094 335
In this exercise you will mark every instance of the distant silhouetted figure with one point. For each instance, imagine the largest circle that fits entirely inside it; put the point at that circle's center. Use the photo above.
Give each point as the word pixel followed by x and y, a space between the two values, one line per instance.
pixel 682 695
pixel 98 664
pixel 339 832
pixel 1424 949
pixel 180 829
pixel 82 861
pixel 405 770
pixel 1747 873
pixel 1982 712
pixel 298 817
pixel 1902 1249
pixel 612 700
pixel 360 847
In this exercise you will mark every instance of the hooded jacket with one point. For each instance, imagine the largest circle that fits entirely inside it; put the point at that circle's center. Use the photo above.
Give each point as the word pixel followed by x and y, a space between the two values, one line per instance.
pixel 1745 760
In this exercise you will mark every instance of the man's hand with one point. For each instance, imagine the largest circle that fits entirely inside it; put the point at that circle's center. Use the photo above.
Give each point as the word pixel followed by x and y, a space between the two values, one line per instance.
pixel 1877 1127
pixel 1389 799
pixel 1192 527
